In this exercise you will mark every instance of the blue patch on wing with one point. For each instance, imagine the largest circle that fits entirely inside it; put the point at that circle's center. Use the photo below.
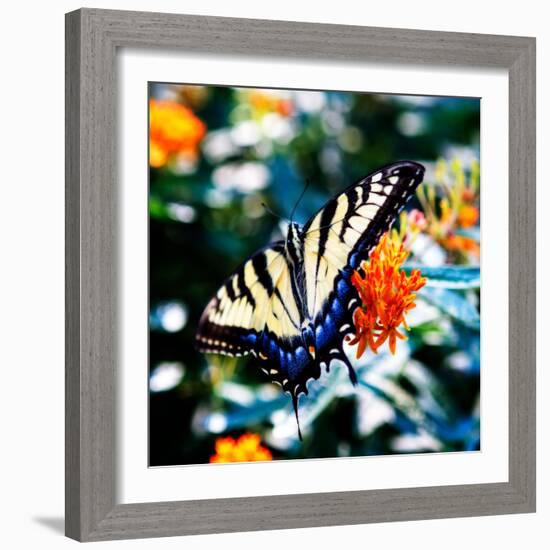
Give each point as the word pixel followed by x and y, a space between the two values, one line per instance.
pixel 334 322
pixel 291 362
pixel 287 362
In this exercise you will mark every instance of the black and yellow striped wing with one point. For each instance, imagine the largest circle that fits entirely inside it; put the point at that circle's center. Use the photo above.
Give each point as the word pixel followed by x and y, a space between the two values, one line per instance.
pixel 256 298
pixel 335 241
pixel 346 229
pixel 256 311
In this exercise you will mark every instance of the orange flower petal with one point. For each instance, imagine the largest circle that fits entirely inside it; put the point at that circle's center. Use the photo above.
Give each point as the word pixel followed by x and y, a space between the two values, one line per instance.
pixel 468 215
pixel 173 130
pixel 361 347
pixel 246 448
pixel 386 294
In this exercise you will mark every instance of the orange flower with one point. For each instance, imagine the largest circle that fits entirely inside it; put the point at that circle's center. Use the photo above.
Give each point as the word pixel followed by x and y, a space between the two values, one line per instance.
pixel 246 448
pixel 174 132
pixel 263 103
pixel 456 206
pixel 386 294
pixel 468 215
pixel 468 194
pixel 462 244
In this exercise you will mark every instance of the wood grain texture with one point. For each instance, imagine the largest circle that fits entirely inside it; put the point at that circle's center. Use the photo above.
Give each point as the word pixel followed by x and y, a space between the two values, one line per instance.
pixel 522 278
pixel 92 37
pixel 72 278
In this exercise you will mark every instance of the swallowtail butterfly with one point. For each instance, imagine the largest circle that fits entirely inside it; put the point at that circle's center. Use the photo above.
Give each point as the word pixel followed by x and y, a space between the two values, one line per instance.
pixel 291 304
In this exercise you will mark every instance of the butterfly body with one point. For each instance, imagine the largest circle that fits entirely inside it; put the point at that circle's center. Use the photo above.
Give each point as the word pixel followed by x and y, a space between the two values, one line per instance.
pixel 294 253
pixel 291 304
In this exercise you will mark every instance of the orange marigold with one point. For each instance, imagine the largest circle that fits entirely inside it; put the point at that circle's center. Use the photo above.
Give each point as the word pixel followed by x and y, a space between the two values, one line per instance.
pixel 174 130
pixel 246 448
pixel 386 294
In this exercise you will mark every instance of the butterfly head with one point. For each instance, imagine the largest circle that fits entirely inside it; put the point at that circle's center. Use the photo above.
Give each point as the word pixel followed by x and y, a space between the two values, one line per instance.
pixel 294 235
pixel 294 231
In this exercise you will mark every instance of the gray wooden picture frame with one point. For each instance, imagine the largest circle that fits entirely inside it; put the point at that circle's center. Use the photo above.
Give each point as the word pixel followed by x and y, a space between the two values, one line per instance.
pixel 92 39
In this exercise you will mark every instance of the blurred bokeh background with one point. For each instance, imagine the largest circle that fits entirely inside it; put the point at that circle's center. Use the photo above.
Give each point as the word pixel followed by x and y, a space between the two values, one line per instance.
pixel 216 154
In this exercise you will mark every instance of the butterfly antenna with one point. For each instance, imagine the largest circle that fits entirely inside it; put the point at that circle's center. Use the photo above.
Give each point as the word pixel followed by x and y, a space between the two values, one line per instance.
pixel 267 209
pixel 295 404
pixel 299 199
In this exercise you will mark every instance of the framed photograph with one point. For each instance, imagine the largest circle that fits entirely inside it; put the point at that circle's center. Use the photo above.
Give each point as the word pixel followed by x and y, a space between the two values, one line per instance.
pixel 300 275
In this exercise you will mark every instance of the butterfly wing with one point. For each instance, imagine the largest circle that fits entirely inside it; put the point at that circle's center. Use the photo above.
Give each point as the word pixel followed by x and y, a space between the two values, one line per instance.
pixel 338 238
pixel 250 300
pixel 256 311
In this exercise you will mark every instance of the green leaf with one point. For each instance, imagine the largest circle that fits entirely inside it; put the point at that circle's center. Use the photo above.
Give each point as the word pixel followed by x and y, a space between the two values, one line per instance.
pixel 448 276
pixel 452 303
pixel 157 208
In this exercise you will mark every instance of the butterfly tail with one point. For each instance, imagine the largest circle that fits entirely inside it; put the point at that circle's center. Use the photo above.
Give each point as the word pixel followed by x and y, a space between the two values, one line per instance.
pixel 351 371
pixel 295 405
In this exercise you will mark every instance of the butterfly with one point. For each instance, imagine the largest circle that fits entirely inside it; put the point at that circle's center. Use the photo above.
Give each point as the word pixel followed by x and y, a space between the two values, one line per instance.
pixel 291 304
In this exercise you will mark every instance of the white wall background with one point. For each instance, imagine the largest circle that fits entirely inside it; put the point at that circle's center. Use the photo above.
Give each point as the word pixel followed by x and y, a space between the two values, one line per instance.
pixel 32 133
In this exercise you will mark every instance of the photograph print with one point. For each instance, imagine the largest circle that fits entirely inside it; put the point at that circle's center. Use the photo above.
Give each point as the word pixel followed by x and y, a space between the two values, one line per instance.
pixel 314 274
